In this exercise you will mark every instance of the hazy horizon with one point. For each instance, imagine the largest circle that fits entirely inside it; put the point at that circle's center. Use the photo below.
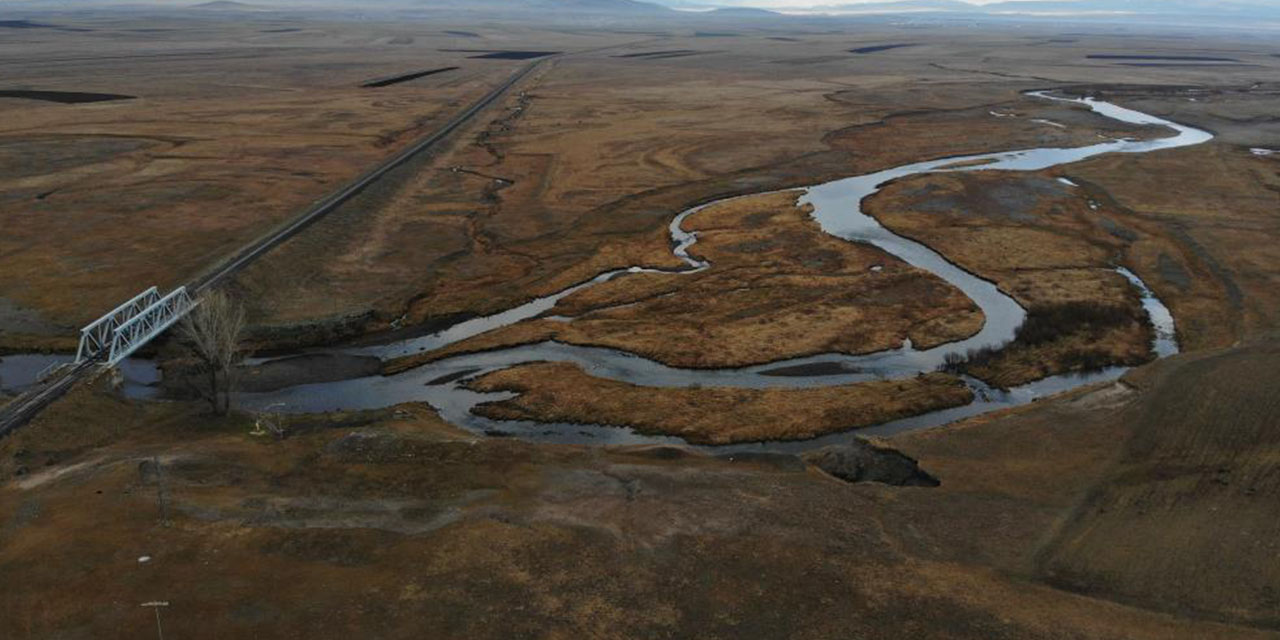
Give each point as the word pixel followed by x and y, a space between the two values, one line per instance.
pixel 1264 14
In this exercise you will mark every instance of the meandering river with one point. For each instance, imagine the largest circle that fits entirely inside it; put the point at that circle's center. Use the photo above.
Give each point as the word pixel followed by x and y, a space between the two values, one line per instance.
pixel 837 209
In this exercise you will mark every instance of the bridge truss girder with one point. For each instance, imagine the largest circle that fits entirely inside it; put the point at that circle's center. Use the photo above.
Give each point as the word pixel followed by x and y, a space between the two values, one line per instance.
pixel 96 338
pixel 149 323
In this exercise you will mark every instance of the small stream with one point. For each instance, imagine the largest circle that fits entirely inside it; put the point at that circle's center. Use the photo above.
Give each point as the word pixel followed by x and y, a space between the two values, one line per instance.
pixel 837 209
pixel 19 372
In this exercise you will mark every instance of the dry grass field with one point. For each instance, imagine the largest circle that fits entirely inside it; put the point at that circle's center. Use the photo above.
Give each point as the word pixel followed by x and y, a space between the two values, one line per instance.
pixel 593 171
pixel 1042 241
pixel 1145 508
pixel 778 287
pixel 1138 510
pixel 560 392
pixel 577 174
pixel 233 128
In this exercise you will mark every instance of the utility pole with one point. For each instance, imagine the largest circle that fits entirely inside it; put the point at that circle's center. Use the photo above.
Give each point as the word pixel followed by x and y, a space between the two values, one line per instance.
pixel 155 606
pixel 164 507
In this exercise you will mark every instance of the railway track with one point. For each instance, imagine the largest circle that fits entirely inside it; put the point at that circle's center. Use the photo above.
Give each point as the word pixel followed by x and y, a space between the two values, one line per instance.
pixel 28 404
pixel 31 402
pixel 333 201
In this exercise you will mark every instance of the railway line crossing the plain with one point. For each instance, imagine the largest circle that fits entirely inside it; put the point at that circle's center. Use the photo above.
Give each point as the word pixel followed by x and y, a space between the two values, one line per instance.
pixel 136 322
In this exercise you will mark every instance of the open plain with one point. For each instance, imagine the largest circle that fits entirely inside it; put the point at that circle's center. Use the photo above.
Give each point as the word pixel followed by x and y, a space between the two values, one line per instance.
pixel 142 149
pixel 1128 511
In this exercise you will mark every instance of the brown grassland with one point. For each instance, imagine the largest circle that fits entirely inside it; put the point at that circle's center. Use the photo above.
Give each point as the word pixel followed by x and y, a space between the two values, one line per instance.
pixel 593 160
pixel 1040 241
pixel 234 128
pixel 1135 510
pixel 560 392
pixel 778 287
pixel 595 171
pixel 1146 508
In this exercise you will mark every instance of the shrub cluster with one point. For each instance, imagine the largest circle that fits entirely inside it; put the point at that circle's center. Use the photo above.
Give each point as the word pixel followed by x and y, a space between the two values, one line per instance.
pixel 1048 323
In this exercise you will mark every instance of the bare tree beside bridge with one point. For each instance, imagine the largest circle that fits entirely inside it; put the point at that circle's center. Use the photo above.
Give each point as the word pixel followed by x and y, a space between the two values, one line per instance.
pixel 212 331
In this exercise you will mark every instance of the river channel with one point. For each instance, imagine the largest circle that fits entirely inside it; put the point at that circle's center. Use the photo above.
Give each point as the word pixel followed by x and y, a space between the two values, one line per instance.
pixel 837 209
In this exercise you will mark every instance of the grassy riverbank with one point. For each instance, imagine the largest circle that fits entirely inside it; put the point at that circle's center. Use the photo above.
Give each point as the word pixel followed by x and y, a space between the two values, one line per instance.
pixel 560 392
pixel 1134 511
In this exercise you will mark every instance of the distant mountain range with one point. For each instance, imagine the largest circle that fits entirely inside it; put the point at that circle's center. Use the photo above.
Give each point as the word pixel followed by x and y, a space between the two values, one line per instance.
pixel 227 5
pixel 580 6
pixel 577 6
pixel 1220 8
pixel 611 6
pixel 1237 11
pixel 744 12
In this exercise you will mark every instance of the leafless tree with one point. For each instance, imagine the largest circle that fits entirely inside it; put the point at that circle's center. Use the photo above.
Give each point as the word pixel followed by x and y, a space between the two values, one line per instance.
pixel 212 330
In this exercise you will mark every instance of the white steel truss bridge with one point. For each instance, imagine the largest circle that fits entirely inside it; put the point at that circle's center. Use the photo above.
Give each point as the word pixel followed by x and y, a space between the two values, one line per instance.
pixel 128 327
